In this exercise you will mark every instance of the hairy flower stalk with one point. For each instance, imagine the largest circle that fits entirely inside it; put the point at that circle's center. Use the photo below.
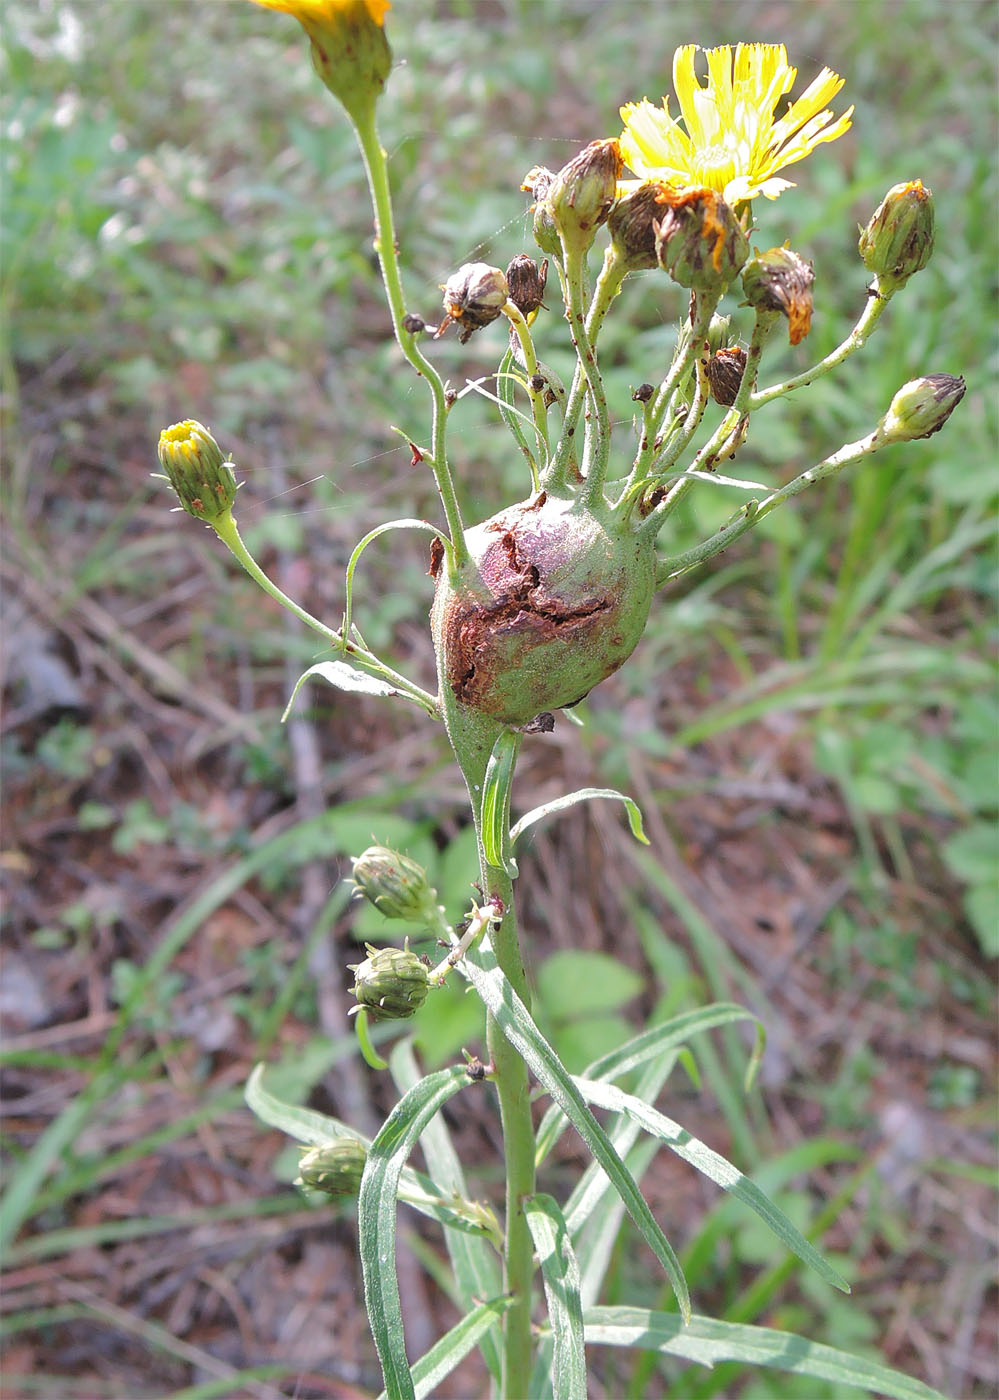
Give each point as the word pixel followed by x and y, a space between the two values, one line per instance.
pixel 537 604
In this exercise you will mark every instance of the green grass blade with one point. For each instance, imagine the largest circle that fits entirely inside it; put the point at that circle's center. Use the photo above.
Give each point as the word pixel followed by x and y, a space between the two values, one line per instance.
pixel 376 1217
pixel 560 1275
pixel 559 804
pixel 708 1341
pixel 647 1046
pixel 516 1023
pixel 717 1168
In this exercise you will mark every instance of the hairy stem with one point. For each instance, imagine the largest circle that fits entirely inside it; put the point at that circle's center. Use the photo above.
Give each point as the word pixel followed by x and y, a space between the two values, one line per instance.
pixel 376 169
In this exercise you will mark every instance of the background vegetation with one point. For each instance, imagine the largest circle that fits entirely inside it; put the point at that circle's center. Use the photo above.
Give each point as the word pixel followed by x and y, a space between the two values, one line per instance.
pixel 809 724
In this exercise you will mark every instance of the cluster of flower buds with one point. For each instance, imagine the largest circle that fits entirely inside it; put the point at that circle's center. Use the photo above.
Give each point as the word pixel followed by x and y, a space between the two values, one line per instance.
pixel 390 984
pixel 335 1168
pixel 192 462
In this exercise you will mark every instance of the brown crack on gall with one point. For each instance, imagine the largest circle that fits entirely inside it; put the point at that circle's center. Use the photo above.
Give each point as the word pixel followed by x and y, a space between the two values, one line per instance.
pixel 521 605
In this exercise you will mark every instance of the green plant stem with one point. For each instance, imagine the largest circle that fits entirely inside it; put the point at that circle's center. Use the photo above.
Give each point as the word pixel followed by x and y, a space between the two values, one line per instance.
pixel 376 169
pixel 754 511
pixel 225 528
pixel 868 319
pixel 608 284
pixel 523 332
pixel 472 738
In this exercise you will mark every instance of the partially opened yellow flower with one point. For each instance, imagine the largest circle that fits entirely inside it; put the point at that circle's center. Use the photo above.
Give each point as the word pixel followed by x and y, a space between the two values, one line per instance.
pixel 349 48
pixel 729 140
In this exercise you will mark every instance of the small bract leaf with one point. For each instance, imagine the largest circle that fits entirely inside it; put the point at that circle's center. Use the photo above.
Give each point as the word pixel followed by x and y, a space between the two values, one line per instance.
pixel 559 804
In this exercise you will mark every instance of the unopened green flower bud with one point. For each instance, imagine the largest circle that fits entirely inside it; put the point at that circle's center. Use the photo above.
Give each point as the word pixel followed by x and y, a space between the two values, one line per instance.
pixel 718 333
pixel 391 983
pixel 473 297
pixel 350 52
pixel 527 281
pixel 193 464
pixel 781 280
pixel 396 885
pixel 898 241
pixel 335 1168
pixel 583 192
pixel 537 182
pixel 699 241
pixel 633 224
pixel 921 407
pixel 724 371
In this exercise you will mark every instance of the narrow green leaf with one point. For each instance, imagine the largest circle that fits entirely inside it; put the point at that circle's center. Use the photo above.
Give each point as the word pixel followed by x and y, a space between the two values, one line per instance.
pixel 560 1275
pixel 344 677
pixel 454 1346
pixel 376 1217
pixel 559 804
pixel 496 841
pixel 474 1263
pixel 713 1166
pixel 658 1040
pixel 709 1341
pixel 516 1023
pixel 450 1209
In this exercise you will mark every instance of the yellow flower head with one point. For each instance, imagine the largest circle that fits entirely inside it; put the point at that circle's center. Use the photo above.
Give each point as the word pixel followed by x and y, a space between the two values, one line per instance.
pixel 729 140
pixel 327 11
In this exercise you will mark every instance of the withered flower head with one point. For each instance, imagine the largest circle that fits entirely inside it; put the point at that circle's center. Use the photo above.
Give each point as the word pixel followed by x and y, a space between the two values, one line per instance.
pixel 583 192
pixel 473 297
pixel 526 281
pixel 781 280
pixel 725 371
pixel 632 225
pixel 699 241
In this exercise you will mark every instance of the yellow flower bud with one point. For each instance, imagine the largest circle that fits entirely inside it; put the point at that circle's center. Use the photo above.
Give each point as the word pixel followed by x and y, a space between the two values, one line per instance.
pixel 725 371
pixel 349 49
pixel 335 1168
pixel 391 984
pixel 193 464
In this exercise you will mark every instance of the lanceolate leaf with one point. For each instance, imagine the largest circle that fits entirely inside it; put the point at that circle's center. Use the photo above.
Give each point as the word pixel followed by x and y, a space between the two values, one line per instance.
pixel 659 1040
pixel 516 1023
pixel 475 1263
pixel 454 1346
pixel 344 677
pixel 559 804
pixel 376 1217
pixel 709 1341
pixel 560 1275
pixel 496 802
pixel 713 1166
pixel 312 1129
